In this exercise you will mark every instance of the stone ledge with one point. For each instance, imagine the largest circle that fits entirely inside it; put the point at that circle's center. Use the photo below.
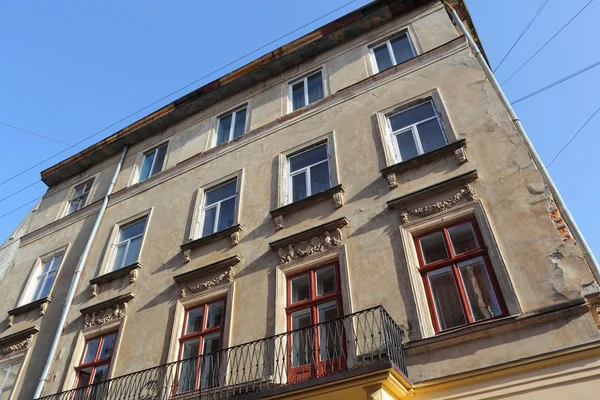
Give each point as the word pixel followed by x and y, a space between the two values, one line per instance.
pixel 124 298
pixel 233 232
pixel 198 272
pixel 309 233
pixel 18 340
pixel 130 270
pixel 41 303
pixel 336 193
pixel 455 147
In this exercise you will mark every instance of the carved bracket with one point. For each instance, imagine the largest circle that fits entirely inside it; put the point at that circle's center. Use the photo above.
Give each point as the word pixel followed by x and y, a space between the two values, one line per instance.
pixel 111 313
pixel 11 321
pixel 226 276
pixel 461 155
pixel 392 180
pixel 187 256
pixel 467 191
pixel 317 244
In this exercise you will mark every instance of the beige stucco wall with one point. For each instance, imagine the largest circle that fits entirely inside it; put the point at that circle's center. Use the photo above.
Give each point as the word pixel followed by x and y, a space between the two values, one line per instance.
pixel 518 215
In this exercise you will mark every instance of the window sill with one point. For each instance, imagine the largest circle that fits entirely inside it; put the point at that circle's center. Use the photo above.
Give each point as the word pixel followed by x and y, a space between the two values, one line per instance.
pixel 458 148
pixel 42 304
pixel 132 270
pixel 233 232
pixel 336 193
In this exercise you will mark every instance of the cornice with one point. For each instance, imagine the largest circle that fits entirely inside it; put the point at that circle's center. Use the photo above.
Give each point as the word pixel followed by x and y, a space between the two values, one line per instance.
pixel 205 269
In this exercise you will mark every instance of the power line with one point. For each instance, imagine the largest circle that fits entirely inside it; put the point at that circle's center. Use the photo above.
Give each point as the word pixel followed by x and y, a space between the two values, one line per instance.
pixel 18 208
pixel 545 44
pixel 33 133
pixel 19 191
pixel 539 10
pixel 184 29
pixel 566 78
pixel 176 91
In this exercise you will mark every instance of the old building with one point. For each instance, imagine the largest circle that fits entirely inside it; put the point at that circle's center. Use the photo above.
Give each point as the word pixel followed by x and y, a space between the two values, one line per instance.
pixel 353 215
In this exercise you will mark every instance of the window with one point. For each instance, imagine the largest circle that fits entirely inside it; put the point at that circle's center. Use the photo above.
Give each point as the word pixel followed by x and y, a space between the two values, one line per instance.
pixel 199 345
pixel 94 364
pixel 44 278
pixel 80 197
pixel 127 249
pixel 459 282
pixel 392 52
pixel 153 162
pixel 314 298
pixel 218 212
pixel 308 172
pixel 416 131
pixel 306 91
pixel 8 377
pixel 231 126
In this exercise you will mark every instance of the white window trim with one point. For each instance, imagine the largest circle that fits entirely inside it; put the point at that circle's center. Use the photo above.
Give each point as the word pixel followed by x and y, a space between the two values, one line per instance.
pixel 137 169
pixel 216 205
pixel 415 228
pixel 26 296
pixel 388 44
pixel 413 128
pixel 64 209
pixel 22 356
pixel 284 168
pixel 114 236
pixel 73 197
pixel 197 223
pixel 155 151
pixel 307 171
pixel 304 79
pixel 126 243
pixel 234 114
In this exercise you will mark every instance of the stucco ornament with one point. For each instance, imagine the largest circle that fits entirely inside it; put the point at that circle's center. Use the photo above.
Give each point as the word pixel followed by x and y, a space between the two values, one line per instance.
pixel 22 344
pixel 467 191
pixel 392 181
pixel 226 276
pixel 317 244
pixel 10 321
pixel 104 316
pixel 461 155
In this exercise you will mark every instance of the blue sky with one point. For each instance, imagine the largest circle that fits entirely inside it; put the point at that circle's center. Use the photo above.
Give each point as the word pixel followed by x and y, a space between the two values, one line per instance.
pixel 71 68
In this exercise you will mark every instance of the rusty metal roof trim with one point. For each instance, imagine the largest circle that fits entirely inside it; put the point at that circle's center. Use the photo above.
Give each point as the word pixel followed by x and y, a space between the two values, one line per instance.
pixel 306 47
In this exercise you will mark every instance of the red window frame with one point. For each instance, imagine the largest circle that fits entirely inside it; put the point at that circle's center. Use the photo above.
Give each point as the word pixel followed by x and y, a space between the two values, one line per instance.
pixel 308 371
pixel 453 260
pixel 200 335
pixel 96 362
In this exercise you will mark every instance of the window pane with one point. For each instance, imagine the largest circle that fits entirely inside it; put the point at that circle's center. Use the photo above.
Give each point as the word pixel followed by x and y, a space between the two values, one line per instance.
pixel 326 281
pixel 319 178
pixel 194 320
pixel 315 87
pixel 108 346
pixel 12 372
pixel 212 343
pixel 90 351
pixel 224 129
pixel 240 123
pixel 382 56
pixel 187 368
pixel 330 335
pixel 215 315
pixel 3 371
pixel 56 262
pixel 47 265
pixel 44 286
pixel 226 214
pixel 84 377
pixel 118 258
pixel 209 366
pixel 100 373
pixel 161 152
pixel 411 116
pixel 402 49
pixel 75 205
pixel 480 293
pixel 146 165
pixel 208 226
pixel 129 231
pixel 6 394
pixel 406 145
pixel 433 248
pixel 446 299
pixel 431 135
pixel 302 341
pixel 221 192
pixel 190 349
pixel 308 157
pixel 134 251
pixel 300 288
pixel 462 238
pixel 298 95
pixel 299 187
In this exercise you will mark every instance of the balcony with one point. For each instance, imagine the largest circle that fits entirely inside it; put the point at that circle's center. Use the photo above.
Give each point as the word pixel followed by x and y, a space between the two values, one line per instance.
pixel 340 348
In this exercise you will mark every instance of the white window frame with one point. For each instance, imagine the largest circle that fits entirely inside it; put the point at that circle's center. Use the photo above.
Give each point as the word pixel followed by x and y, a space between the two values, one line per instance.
pixel 38 276
pixel 146 153
pixel 116 245
pixel 10 364
pixel 27 295
pixel 218 205
pixel 388 44
pixel 233 114
pixel 290 192
pixel 304 79
pixel 77 197
pixel 413 129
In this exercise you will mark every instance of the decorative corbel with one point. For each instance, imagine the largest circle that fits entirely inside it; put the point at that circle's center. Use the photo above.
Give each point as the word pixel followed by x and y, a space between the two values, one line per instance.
pixel 43 308
pixel 470 193
pixel 392 181
pixel 94 290
pixel 133 275
pixel 278 222
pixel 187 256
pixel 404 217
pixel 461 155
pixel 11 321
pixel 235 238
pixel 338 199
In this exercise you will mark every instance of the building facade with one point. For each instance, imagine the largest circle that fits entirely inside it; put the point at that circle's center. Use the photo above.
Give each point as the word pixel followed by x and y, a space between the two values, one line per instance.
pixel 353 215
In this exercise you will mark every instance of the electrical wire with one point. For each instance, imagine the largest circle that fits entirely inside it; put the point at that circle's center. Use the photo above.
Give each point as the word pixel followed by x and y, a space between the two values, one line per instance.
pixel 19 191
pixel 566 78
pixel 545 44
pixel 539 10
pixel 18 208
pixel 33 133
pixel 175 92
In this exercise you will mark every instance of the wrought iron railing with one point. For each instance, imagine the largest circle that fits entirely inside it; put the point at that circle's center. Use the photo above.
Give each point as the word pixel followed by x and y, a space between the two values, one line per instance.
pixel 350 342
